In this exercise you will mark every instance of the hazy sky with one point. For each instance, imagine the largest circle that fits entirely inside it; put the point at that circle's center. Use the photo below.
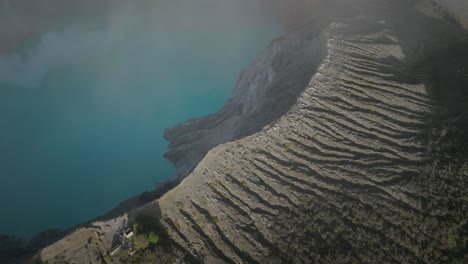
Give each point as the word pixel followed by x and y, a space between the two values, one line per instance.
pixel 76 40
pixel 459 8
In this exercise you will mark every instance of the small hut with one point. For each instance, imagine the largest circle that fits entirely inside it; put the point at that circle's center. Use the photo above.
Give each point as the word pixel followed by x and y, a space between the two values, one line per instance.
pixel 128 233
pixel 115 249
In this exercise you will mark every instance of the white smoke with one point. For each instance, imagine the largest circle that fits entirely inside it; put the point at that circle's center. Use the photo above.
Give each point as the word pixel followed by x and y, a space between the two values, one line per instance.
pixel 203 20
pixel 55 50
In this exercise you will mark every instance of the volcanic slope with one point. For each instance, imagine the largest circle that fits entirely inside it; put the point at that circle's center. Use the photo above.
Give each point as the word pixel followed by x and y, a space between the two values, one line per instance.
pixel 348 174
pixel 369 163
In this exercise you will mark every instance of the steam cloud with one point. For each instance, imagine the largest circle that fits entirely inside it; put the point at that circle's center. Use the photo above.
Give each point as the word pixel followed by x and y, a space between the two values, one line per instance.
pixel 295 12
pixel 54 50
pixel 22 18
pixel 74 44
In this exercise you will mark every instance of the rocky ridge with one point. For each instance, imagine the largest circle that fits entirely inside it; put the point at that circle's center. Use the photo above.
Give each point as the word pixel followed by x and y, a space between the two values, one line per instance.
pixel 264 92
pixel 347 144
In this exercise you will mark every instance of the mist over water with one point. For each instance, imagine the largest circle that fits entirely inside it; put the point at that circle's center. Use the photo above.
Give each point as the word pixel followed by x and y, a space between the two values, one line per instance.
pixel 83 105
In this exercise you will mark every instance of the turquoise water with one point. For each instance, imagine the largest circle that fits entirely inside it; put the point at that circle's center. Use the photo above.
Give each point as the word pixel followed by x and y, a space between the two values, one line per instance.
pixel 82 112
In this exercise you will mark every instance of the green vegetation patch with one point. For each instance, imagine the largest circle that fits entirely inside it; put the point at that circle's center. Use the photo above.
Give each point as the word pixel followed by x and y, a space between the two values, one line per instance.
pixel 108 259
pixel 153 238
pixel 141 241
pixel 149 231
pixel 214 219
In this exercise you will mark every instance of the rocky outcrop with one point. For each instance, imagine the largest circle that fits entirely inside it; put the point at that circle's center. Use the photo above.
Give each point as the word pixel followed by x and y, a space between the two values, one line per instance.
pixel 347 144
pixel 264 92
pixel 342 176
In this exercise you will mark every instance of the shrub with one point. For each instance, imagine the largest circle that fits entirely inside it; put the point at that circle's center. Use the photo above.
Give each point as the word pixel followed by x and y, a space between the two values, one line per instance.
pixel 108 259
pixel 146 224
pixel 141 241
pixel 153 238
pixel 135 228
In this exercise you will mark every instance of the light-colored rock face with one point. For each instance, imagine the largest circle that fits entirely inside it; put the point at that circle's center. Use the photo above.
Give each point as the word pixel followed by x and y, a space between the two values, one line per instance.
pixel 365 166
pixel 264 92
pixel 85 245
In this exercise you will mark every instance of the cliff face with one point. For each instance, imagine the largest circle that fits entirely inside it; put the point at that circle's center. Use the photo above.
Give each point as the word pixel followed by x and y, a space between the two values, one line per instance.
pixel 264 92
pixel 347 143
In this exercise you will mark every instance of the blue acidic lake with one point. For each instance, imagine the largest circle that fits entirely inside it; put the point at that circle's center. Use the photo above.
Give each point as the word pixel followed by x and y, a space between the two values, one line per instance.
pixel 83 107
